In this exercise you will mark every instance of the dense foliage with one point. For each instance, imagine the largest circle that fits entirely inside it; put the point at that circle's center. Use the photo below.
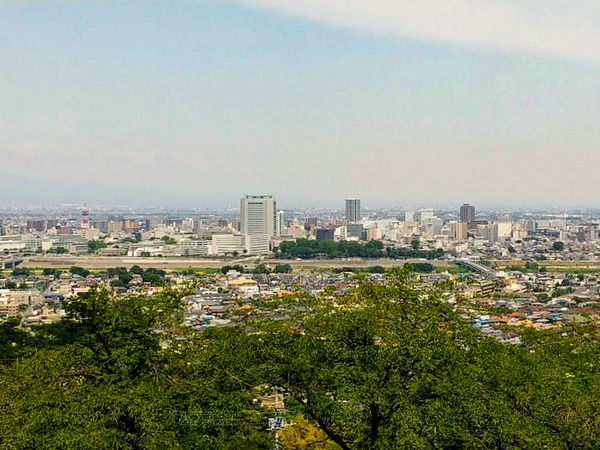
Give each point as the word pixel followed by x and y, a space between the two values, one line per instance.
pixel 95 245
pixel 58 250
pixel 372 269
pixel 390 366
pixel 309 249
pixel 76 270
pixel 21 272
pixel 237 267
pixel 54 272
pixel 404 253
pixel 120 276
pixel 420 267
pixel 283 268
pixel 117 374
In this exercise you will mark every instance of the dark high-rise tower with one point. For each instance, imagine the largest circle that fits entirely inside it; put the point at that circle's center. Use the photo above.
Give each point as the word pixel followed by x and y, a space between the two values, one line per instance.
pixel 467 213
pixel 353 210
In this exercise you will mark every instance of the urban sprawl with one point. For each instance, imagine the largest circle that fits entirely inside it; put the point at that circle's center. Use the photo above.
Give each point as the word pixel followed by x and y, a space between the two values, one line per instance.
pixel 510 269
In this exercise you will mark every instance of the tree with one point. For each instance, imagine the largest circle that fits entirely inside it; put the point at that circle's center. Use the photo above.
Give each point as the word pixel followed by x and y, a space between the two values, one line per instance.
pixel 558 246
pixel 530 265
pixel 415 244
pixel 111 377
pixel 390 367
pixel 304 435
pixel 137 270
pixel 511 249
pixel 118 272
pixel 154 276
pixel 21 272
pixel 420 267
pixel 95 245
pixel 55 272
pixel 261 269
pixel 75 270
pixel 239 268
pixel 309 249
pixel 283 268
pixel 13 342
pixel 169 240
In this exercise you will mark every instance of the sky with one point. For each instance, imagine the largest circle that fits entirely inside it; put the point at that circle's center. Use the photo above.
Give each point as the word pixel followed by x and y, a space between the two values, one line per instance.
pixel 198 102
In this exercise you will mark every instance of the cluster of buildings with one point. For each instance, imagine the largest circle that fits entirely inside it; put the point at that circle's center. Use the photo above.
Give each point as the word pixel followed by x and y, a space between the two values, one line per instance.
pixel 258 227
pixel 498 305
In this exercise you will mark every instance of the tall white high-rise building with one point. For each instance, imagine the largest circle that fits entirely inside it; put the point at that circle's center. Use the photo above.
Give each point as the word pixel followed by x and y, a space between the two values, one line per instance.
pixel 353 210
pixel 258 215
pixel 279 224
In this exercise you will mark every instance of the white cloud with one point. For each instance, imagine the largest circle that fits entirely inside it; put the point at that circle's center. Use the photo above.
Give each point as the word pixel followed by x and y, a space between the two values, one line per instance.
pixel 566 28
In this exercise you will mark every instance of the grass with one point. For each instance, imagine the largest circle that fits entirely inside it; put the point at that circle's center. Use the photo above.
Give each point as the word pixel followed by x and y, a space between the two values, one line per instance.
pixel 454 270
pixel 37 271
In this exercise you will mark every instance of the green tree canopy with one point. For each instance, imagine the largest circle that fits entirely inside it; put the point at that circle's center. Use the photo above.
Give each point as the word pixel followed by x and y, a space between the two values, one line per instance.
pixel 75 270
pixel 283 268
pixel 169 240
pixel 58 250
pixel 47 271
pixel 394 367
pixel 237 267
pixel 21 272
pixel 530 265
pixel 95 245
pixel 309 249
pixel 389 365
pixel 261 269
pixel 116 374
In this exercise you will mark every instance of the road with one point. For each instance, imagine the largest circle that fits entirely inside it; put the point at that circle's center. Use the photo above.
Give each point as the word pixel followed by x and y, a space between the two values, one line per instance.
pixel 98 262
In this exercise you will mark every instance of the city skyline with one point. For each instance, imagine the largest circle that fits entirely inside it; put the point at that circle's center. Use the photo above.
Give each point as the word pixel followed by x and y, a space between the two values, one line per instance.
pixel 303 206
pixel 326 224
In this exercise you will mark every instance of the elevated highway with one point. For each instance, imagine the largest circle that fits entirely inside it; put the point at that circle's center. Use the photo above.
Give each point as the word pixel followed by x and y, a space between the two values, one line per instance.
pixel 476 267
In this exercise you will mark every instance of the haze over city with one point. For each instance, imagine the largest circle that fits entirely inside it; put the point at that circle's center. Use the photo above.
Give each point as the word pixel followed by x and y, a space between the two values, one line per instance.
pixel 171 103
pixel 299 224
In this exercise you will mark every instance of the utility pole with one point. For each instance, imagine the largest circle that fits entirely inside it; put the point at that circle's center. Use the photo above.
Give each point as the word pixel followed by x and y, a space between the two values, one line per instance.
pixel 276 423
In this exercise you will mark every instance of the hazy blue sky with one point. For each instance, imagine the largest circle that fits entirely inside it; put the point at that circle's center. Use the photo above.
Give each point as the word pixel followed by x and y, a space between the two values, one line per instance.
pixel 199 102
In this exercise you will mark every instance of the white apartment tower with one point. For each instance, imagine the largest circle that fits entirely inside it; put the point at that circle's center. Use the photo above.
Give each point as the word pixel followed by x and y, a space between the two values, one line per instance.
pixel 279 224
pixel 353 210
pixel 258 215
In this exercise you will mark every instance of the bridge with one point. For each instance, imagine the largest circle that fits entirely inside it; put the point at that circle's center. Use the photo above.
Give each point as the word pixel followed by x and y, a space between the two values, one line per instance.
pixel 476 267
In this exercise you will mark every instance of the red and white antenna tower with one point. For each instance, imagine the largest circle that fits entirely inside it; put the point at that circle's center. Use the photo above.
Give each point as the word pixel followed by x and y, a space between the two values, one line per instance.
pixel 85 223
